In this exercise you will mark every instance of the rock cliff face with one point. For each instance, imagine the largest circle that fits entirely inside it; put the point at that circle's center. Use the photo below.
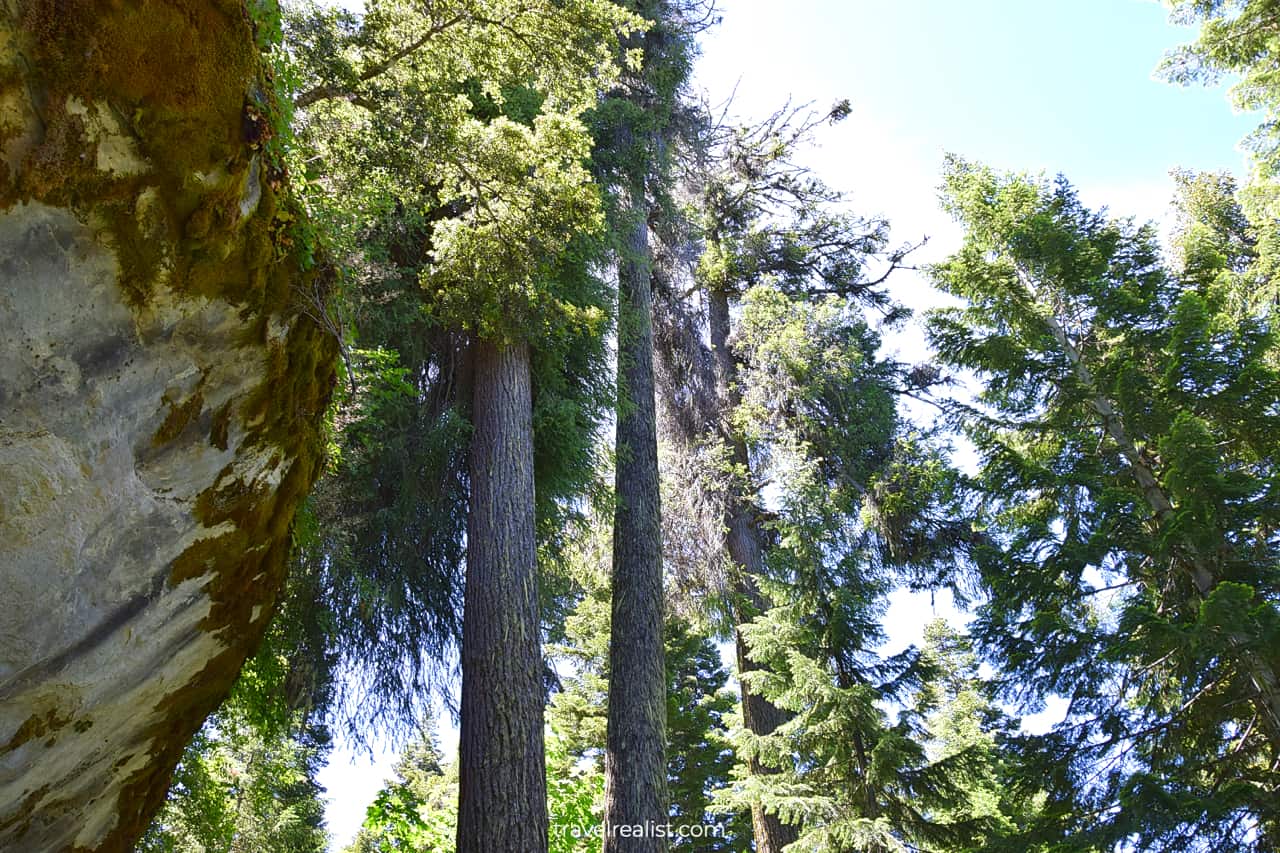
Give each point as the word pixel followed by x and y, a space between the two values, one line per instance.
pixel 162 381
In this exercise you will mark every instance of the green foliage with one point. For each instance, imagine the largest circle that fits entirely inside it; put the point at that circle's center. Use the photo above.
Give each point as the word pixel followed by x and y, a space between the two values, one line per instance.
pixel 577 710
pixel 1237 39
pixel 564 49
pixel 380 573
pixel 812 382
pixel 819 420
pixel 417 810
pixel 760 221
pixel 524 195
pixel 575 801
pixel 805 405
pixel 966 729
pixel 247 780
pixel 1127 426
pixel 765 218
pixel 636 125
pixel 852 776
pixel 573 391
pixel 699 755
pixel 444 162
pixel 1214 235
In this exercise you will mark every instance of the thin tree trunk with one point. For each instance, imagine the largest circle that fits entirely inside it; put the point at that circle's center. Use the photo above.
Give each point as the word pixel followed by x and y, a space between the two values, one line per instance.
pixel 502 776
pixel 742 540
pixel 635 760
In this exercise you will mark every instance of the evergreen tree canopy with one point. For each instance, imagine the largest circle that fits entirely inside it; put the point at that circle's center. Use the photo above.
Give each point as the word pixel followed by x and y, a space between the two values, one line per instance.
pixel 1125 513
pixel 1239 39
pixel 445 162
pixel 497 197
pixel 792 387
pixel 820 419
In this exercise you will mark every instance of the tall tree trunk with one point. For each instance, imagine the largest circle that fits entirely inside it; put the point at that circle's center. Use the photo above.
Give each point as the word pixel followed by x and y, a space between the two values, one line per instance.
pixel 742 541
pixel 502 777
pixel 635 760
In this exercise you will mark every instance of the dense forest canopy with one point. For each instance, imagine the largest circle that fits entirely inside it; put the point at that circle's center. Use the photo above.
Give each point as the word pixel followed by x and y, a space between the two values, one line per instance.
pixel 623 466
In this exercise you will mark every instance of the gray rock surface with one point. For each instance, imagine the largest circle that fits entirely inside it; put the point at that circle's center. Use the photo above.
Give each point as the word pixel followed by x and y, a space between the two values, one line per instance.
pixel 93 513
pixel 151 455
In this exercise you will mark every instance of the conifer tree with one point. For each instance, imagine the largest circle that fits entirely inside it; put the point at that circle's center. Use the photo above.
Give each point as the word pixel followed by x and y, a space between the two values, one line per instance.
pixel 749 175
pixel 962 721
pixel 393 106
pixel 239 787
pixel 632 127
pixel 417 809
pixel 775 240
pixel 474 108
pixel 1238 40
pixel 820 422
pixel 699 757
pixel 1127 513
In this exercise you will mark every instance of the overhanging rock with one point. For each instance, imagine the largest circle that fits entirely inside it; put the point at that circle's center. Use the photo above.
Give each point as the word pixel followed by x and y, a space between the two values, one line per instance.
pixel 163 375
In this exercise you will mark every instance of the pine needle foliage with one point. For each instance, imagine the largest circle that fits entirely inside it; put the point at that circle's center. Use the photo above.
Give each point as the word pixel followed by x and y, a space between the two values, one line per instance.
pixel 1125 530
pixel 445 162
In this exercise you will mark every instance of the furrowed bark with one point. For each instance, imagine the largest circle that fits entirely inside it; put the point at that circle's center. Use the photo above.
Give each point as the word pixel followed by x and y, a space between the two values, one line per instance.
pixel 502 781
pixel 635 759
pixel 742 540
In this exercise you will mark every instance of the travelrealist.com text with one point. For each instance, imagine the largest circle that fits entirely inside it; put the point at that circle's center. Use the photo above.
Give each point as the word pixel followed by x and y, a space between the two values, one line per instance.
pixel 648 829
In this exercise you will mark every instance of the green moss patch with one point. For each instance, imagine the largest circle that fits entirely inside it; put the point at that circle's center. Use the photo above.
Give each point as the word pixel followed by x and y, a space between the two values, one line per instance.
pixel 184 81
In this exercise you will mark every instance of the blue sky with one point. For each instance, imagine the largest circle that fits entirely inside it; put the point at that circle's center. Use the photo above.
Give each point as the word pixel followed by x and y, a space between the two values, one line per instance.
pixel 1036 85
pixel 1064 85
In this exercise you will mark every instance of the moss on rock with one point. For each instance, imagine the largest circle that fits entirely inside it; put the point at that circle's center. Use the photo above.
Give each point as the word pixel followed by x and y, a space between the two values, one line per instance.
pixel 181 83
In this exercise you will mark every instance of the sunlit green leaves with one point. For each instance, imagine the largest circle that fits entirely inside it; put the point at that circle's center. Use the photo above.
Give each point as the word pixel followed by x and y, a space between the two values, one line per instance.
pixel 1237 39
pixel 524 194
pixel 1125 488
